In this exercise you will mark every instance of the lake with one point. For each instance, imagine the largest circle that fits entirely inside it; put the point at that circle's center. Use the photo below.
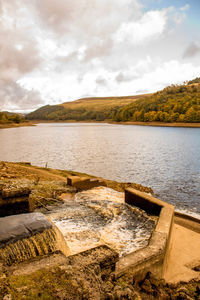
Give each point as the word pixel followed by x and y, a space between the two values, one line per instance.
pixel 165 158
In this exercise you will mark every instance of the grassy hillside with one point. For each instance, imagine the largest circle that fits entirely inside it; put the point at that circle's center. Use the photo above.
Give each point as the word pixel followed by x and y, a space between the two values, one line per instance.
pixel 176 103
pixel 96 108
pixel 100 103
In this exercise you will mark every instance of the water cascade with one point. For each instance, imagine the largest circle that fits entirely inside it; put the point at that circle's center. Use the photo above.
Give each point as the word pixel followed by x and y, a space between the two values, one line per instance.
pixel 17 245
pixel 100 217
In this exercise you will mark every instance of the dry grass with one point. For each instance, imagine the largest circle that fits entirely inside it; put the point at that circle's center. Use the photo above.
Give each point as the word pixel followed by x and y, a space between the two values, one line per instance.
pixel 100 103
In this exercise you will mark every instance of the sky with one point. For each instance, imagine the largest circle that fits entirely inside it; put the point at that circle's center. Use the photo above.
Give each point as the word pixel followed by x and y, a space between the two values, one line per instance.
pixel 54 51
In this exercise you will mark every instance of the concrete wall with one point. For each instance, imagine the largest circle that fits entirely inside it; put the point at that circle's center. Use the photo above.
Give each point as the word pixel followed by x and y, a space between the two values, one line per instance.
pixel 153 257
pixel 14 200
pixel 187 221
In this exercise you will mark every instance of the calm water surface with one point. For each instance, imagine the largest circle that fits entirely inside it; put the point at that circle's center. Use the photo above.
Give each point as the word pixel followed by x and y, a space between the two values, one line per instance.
pixel 166 159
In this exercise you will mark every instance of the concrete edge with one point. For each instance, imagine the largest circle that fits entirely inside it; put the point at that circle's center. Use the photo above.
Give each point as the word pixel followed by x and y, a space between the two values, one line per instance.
pixel 187 221
pixel 145 201
pixel 153 257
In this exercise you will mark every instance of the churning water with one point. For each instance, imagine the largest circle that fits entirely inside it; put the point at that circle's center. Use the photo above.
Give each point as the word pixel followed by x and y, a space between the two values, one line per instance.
pixel 100 216
pixel 166 159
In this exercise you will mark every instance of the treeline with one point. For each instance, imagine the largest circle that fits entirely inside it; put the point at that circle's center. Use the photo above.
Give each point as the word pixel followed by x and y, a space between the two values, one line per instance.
pixel 173 104
pixel 176 103
pixel 47 112
pixel 60 113
pixel 196 80
pixel 8 118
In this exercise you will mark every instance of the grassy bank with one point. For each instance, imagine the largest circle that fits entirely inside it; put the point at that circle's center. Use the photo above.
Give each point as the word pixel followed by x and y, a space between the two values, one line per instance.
pixel 15 125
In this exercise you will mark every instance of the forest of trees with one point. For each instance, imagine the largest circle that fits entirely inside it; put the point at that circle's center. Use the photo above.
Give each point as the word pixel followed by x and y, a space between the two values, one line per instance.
pixel 173 104
pixel 7 118
pixel 176 103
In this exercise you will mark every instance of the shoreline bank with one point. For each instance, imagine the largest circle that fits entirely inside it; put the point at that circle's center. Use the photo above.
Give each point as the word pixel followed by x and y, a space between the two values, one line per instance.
pixel 14 125
pixel 155 124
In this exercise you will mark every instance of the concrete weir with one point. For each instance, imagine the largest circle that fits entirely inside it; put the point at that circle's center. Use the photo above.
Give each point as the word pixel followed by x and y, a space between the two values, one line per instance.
pixel 25 236
pixel 153 257
pixel 171 253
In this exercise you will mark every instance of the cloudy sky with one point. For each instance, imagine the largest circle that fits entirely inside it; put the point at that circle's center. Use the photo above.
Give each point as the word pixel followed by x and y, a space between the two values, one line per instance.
pixel 52 51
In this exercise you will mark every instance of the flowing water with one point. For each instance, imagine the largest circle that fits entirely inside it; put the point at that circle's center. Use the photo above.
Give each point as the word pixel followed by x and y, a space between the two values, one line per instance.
pixel 50 240
pixel 100 216
pixel 166 159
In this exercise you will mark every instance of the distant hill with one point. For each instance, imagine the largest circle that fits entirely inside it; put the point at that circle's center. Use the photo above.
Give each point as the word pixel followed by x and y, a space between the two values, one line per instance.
pixel 94 108
pixel 176 103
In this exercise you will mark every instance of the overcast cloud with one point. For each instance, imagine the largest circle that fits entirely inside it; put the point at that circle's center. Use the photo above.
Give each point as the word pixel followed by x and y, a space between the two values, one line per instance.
pixel 54 51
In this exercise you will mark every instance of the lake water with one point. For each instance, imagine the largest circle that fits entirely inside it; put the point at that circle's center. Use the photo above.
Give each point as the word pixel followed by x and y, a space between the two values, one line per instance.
pixel 166 159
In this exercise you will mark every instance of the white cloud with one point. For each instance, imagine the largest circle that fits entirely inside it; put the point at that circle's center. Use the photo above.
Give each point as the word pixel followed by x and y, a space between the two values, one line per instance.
pixel 185 7
pixel 164 74
pixel 150 26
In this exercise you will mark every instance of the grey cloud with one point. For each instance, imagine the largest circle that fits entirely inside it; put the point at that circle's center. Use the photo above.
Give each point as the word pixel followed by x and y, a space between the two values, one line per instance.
pixel 89 24
pixel 19 56
pixel 14 97
pixel 140 92
pixel 192 50
pixel 101 81
pixel 69 62
pixel 88 17
pixel 68 58
pixel 121 77
pixel 98 49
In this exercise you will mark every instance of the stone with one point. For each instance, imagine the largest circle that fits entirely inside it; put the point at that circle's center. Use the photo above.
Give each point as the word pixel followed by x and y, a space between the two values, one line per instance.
pixel 9 192
pixel 7 297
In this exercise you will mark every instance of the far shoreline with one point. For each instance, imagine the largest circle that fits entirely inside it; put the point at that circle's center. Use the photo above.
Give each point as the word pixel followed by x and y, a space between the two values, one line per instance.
pixel 16 125
pixel 155 124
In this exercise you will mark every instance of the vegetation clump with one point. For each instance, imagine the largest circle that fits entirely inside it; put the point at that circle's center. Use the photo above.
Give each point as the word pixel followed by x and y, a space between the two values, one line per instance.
pixel 9 118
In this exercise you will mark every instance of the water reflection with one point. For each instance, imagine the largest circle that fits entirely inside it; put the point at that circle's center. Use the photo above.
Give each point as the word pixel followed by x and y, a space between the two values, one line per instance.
pixel 167 159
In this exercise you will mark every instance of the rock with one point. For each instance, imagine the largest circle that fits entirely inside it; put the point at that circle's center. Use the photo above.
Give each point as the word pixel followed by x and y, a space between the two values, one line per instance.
pixel 124 293
pixel 197 268
pixel 21 226
pixel 7 297
pixel 10 192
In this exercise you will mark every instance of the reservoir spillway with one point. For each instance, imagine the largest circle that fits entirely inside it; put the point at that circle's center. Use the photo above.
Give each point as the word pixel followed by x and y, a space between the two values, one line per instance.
pixel 100 217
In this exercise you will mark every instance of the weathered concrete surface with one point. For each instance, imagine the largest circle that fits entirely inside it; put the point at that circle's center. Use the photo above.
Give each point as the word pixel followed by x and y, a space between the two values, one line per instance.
pixel 14 197
pixel 144 201
pixel 184 255
pixel 187 221
pixel 154 257
pixel 84 183
pixel 17 227
pixel 13 206
pixel 102 256
pixel 10 192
